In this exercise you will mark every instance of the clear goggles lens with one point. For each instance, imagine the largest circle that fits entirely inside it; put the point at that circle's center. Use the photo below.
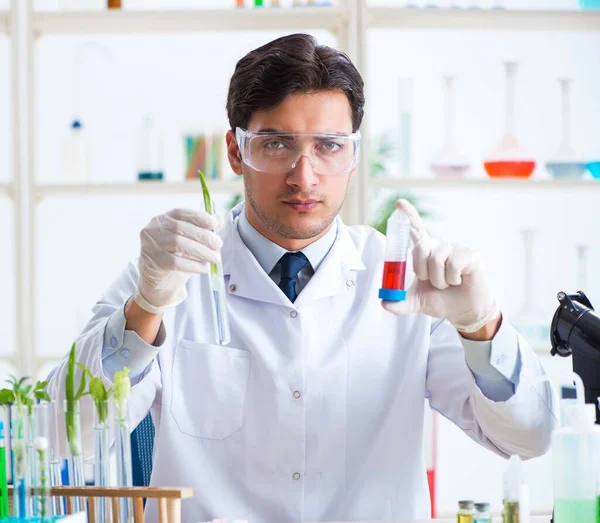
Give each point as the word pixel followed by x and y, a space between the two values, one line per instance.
pixel 279 153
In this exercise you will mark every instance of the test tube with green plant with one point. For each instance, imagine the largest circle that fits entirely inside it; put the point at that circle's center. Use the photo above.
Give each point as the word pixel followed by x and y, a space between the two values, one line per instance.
pixel 73 424
pixel 101 395
pixel 23 396
pixel 122 388
pixel 216 281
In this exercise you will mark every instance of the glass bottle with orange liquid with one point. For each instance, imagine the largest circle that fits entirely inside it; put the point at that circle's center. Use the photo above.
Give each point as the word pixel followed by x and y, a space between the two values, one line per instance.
pixel 508 159
pixel 396 253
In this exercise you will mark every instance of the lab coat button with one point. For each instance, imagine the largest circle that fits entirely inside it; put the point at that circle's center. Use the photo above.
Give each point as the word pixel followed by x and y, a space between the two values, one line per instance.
pixel 293 314
pixel 125 354
pixel 297 394
pixel 113 342
pixel 233 287
pixel 349 283
pixel 296 476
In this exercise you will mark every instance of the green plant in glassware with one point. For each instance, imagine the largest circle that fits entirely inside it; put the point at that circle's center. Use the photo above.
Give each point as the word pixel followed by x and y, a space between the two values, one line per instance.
pixel 208 206
pixel 72 397
pixel 122 388
pixel 99 393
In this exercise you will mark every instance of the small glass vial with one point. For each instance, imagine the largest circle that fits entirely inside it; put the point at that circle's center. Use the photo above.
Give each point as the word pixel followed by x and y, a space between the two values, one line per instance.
pixel 482 513
pixel 396 253
pixel 465 512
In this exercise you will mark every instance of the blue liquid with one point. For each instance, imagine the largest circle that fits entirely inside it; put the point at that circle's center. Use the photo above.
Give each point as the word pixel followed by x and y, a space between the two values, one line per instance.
pixel 589 4
pixel 561 170
pixel 594 168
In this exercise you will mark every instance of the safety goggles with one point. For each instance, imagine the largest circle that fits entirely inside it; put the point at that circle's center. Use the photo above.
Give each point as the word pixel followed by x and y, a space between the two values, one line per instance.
pixel 279 153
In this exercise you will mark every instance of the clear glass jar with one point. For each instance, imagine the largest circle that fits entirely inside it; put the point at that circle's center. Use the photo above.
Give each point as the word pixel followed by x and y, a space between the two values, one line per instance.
pixel 465 512
pixel 482 513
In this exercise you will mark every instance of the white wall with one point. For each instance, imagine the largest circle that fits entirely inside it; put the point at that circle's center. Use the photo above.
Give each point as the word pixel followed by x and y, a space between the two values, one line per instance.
pixel 83 243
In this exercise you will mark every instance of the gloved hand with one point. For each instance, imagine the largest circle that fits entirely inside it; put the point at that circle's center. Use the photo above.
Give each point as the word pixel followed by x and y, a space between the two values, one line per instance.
pixel 449 281
pixel 175 245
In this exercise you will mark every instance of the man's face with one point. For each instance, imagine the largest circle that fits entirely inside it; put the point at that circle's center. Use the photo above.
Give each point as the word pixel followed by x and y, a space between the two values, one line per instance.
pixel 300 204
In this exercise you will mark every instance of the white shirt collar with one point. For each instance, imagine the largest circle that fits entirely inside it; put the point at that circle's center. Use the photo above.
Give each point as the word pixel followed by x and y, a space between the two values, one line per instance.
pixel 268 253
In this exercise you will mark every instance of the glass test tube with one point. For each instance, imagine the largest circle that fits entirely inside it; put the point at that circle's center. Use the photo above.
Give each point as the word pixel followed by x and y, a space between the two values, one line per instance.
pixel 396 253
pixel 219 302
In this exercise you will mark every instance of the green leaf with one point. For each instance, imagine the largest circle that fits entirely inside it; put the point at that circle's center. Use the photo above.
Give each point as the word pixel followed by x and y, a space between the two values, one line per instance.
pixel 6 396
pixel 205 193
pixel 42 395
pixel 98 390
pixel 70 379
pixel 81 389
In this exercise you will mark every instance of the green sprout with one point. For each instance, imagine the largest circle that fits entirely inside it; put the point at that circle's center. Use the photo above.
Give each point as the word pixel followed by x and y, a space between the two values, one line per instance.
pixel 122 389
pixel 99 393
pixel 73 396
pixel 23 394
pixel 208 206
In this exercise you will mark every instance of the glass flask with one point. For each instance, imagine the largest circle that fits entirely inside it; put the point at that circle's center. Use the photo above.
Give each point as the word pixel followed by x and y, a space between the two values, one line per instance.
pixel 449 162
pixel 564 163
pixel 530 321
pixel 508 159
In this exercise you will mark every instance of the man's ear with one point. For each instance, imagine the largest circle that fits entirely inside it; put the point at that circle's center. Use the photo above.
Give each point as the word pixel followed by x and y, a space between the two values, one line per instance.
pixel 233 153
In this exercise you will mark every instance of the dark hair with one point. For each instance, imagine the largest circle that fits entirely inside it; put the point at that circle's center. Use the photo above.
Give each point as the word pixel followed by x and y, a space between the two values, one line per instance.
pixel 291 64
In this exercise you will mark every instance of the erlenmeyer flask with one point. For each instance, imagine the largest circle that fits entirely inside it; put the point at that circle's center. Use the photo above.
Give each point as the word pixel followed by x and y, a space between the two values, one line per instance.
pixel 508 159
pixel 449 162
pixel 564 163
pixel 530 321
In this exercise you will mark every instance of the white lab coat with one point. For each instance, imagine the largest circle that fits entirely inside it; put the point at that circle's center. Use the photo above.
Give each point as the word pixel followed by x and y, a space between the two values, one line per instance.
pixel 314 412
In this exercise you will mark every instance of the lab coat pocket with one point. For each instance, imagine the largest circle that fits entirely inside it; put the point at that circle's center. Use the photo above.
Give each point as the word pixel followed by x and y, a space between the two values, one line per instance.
pixel 209 389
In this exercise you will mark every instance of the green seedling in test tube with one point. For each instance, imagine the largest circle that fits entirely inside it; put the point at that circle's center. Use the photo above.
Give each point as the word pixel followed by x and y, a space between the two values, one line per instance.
pixel 216 282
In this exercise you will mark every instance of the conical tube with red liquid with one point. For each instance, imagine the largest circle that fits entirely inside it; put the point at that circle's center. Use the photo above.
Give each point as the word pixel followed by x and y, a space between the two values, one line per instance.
pixel 396 253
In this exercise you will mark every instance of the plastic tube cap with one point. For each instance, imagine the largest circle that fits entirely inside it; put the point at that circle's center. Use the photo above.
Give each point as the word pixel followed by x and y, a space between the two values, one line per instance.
pixel 392 295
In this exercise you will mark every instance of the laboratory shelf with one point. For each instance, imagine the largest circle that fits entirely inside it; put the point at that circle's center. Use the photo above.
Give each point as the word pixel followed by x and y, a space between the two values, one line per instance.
pixel 377 182
pixel 241 19
pixel 135 189
pixel 4 22
pixel 483 20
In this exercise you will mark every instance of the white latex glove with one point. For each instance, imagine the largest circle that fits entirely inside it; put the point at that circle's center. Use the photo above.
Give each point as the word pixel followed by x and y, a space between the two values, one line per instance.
pixel 175 245
pixel 449 281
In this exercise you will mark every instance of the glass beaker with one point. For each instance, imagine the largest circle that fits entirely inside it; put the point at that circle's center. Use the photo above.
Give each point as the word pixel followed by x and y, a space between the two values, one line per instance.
pixel 564 163
pixel 508 159
pixel 448 162
pixel 529 320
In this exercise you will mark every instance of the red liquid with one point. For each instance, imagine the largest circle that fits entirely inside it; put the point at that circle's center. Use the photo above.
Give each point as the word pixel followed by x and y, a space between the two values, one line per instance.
pixel 393 275
pixel 509 169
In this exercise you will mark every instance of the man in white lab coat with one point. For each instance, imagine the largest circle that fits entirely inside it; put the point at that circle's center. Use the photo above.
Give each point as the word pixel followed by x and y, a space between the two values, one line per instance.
pixel 314 410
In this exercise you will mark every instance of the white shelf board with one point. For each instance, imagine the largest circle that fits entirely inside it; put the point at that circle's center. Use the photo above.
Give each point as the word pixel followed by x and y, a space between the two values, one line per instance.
pixel 483 20
pixel 136 189
pixel 192 21
pixel 381 182
pixel 4 22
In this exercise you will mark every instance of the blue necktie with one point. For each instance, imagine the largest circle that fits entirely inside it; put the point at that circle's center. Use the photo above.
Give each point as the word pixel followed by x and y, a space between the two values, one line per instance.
pixel 291 264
